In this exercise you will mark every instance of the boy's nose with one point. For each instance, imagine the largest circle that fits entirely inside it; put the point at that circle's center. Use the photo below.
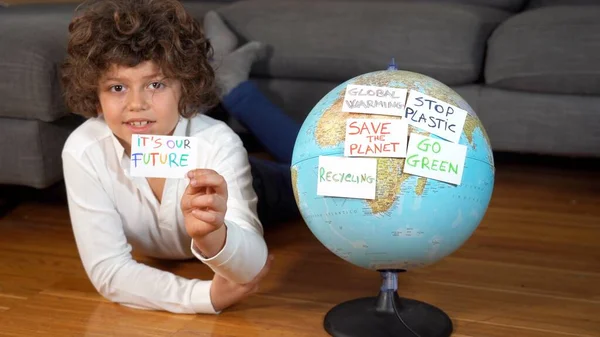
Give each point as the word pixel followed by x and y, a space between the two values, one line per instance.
pixel 137 101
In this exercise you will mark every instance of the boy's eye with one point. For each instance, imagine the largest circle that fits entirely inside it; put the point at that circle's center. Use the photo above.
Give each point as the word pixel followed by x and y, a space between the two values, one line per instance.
pixel 156 85
pixel 117 88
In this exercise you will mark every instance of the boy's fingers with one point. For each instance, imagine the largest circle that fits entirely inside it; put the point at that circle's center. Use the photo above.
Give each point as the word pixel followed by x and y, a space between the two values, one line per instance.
pixel 211 201
pixel 186 202
pixel 208 179
pixel 194 188
pixel 191 191
pixel 212 218
pixel 196 173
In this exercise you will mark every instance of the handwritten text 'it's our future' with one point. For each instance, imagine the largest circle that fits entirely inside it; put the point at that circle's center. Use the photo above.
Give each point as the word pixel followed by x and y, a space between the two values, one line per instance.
pixel 163 156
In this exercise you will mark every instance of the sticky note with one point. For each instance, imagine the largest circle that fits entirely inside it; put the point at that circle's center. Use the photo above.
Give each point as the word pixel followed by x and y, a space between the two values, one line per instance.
pixel 435 158
pixel 158 156
pixel 433 115
pixel 374 100
pixel 347 177
pixel 376 138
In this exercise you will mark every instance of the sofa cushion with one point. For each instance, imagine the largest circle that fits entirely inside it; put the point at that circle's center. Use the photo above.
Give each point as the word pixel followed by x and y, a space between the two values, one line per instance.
pixel 39 163
pixel 337 40
pixel 550 49
pixel 540 123
pixel 33 41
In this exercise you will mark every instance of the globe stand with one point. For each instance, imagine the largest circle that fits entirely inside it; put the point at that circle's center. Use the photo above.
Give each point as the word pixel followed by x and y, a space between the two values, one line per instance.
pixel 387 315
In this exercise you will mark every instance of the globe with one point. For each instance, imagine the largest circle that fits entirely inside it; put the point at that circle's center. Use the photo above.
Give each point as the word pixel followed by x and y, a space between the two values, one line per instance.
pixel 413 221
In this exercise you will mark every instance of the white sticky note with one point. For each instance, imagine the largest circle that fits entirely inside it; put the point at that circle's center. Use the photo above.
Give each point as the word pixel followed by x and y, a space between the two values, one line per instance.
pixel 435 116
pixel 347 177
pixel 162 156
pixel 435 158
pixel 376 138
pixel 374 100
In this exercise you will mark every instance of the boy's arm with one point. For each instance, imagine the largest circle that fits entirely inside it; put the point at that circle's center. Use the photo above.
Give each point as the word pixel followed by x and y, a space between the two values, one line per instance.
pixel 106 257
pixel 245 251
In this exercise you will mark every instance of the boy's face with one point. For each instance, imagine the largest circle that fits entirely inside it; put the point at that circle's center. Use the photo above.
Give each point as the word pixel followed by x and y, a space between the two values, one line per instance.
pixel 138 100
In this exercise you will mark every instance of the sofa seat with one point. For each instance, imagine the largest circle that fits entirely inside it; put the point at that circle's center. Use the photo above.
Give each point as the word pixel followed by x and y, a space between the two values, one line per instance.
pixel 542 123
pixel 30 150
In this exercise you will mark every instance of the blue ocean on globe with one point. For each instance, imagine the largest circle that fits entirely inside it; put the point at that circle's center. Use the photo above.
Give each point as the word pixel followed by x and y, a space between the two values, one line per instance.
pixel 414 221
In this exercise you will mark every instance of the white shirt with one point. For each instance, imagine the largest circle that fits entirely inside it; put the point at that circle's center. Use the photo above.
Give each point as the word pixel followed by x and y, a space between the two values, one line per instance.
pixel 112 213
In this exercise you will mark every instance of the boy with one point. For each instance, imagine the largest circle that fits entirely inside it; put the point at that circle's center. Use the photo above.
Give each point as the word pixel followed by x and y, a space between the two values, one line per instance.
pixel 140 67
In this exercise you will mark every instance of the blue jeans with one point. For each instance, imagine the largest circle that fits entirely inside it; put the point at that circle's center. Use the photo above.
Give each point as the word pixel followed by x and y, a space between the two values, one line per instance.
pixel 277 133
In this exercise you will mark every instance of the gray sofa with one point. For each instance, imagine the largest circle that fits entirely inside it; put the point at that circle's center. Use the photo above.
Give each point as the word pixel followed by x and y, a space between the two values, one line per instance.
pixel 530 69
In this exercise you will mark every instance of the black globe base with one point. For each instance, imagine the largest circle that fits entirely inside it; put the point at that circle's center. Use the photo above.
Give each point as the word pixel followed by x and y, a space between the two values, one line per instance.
pixel 387 315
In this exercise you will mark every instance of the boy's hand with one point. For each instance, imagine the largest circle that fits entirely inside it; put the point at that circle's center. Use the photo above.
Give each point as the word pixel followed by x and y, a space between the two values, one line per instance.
pixel 204 203
pixel 224 293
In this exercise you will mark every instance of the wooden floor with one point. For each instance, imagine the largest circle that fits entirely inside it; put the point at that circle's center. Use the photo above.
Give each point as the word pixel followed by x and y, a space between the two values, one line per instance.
pixel 532 269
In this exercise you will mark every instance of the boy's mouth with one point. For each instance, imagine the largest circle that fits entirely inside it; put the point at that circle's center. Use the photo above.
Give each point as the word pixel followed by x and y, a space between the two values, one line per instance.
pixel 138 123
pixel 144 123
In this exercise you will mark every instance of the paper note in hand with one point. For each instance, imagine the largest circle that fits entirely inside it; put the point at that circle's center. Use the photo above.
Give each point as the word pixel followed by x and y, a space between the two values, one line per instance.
pixel 162 156
pixel 435 158
pixel 347 177
pixel 376 138
pixel 374 100
pixel 433 115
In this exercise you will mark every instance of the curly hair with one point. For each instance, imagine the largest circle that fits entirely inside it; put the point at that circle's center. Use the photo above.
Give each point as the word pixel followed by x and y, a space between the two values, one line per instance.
pixel 129 32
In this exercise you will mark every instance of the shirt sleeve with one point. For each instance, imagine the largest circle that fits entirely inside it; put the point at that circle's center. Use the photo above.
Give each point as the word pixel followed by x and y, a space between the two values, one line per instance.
pixel 106 254
pixel 245 251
